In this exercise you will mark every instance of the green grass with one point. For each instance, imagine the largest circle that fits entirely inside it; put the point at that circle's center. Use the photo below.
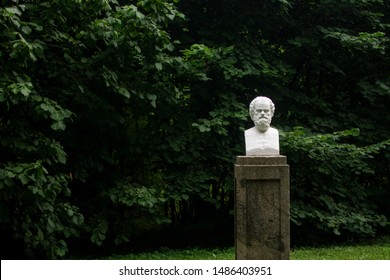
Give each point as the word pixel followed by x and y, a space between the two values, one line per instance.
pixel 343 253
pixel 379 250
pixel 186 254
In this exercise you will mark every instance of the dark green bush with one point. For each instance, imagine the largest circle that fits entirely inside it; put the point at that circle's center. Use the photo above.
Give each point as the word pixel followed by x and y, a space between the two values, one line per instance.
pixel 331 185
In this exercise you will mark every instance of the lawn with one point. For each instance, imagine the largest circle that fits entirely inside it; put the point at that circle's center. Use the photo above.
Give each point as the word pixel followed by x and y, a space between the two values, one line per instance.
pixel 379 250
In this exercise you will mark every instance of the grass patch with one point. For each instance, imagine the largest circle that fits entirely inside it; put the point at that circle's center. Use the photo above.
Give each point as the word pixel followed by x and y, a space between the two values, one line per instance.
pixel 378 250
pixel 343 253
pixel 186 254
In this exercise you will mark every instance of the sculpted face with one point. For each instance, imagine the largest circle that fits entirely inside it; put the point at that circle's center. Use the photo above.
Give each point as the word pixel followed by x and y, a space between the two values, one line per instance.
pixel 261 112
pixel 262 116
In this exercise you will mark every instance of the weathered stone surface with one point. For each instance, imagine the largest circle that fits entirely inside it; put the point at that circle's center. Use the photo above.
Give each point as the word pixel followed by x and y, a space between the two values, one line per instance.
pixel 261 160
pixel 262 207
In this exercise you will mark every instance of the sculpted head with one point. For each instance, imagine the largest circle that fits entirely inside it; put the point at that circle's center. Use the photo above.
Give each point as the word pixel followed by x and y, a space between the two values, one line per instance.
pixel 261 111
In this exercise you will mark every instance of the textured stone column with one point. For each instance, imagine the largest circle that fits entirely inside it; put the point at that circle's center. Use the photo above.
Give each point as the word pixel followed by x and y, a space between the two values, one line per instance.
pixel 262 208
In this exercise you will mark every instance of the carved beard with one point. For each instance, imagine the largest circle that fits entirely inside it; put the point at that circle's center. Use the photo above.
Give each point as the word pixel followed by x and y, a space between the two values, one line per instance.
pixel 263 124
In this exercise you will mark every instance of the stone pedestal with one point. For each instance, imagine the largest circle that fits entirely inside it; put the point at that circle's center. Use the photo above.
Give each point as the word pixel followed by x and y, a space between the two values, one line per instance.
pixel 262 208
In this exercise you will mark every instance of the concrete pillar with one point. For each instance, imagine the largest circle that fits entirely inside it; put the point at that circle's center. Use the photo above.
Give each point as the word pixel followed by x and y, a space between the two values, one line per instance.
pixel 262 208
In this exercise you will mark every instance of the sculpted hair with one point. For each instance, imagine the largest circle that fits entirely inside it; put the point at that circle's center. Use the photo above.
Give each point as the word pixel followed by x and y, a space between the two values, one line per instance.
pixel 261 99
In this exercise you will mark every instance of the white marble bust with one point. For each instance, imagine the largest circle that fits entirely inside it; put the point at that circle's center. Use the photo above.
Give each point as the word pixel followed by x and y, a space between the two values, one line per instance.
pixel 262 139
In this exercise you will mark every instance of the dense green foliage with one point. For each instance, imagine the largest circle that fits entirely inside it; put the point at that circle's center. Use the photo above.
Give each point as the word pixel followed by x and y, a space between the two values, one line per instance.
pixel 79 80
pixel 325 64
pixel 118 118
